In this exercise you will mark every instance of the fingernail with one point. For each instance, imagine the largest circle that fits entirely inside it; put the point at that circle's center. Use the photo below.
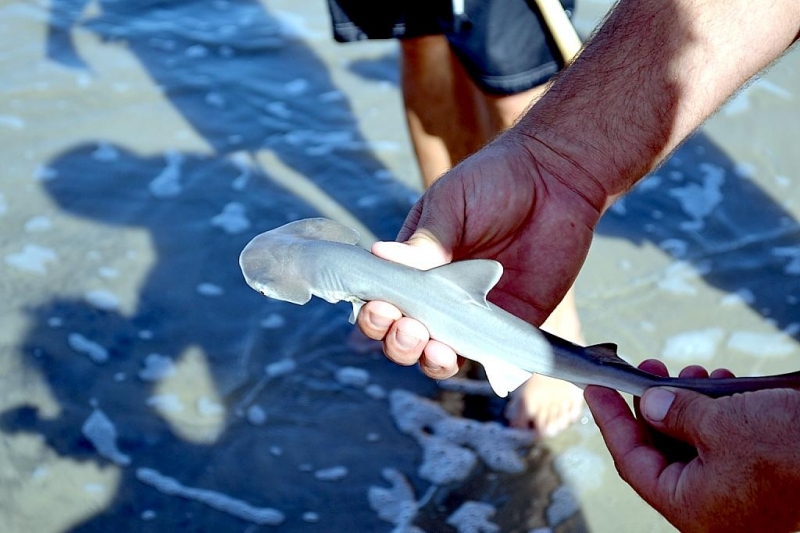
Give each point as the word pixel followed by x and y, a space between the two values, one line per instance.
pixel 405 341
pixel 380 321
pixel 656 404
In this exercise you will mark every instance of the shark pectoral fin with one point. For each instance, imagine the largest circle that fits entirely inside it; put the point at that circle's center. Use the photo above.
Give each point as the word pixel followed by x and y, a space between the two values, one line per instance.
pixel 475 276
pixel 357 305
pixel 504 377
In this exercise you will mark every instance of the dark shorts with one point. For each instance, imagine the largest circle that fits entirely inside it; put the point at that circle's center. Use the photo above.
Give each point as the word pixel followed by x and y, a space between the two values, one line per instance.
pixel 502 44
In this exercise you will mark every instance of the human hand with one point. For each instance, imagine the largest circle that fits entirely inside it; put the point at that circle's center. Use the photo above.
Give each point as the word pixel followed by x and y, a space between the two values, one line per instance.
pixel 505 203
pixel 743 470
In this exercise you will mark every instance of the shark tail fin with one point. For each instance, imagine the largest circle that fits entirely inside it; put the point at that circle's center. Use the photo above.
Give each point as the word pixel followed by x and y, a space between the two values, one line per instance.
pixel 504 377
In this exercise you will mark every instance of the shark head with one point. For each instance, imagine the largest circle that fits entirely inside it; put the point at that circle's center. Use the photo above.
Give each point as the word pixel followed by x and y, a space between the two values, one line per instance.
pixel 271 262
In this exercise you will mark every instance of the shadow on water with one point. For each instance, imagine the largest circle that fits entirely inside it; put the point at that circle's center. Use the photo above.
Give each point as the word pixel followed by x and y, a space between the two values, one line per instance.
pixel 705 211
pixel 247 90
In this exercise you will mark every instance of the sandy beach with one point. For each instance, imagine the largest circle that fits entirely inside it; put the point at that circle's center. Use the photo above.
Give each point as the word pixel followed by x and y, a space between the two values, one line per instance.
pixel 145 387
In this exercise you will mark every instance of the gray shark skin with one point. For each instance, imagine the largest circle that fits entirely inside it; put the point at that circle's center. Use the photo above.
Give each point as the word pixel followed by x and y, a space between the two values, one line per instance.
pixel 318 257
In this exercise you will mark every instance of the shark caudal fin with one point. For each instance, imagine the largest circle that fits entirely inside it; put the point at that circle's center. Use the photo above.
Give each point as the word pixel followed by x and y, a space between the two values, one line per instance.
pixel 504 377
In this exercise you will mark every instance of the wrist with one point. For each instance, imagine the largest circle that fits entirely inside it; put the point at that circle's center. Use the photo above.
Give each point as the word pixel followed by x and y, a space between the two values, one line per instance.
pixel 557 160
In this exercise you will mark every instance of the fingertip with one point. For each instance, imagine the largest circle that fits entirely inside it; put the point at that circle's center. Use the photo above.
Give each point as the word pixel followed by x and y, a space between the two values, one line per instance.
pixel 654 366
pixel 376 318
pixel 722 373
pixel 693 371
pixel 655 404
pixel 405 341
pixel 438 360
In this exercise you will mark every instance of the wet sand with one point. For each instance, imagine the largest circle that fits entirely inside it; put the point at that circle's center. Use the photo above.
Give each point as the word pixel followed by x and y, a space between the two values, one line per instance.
pixel 144 387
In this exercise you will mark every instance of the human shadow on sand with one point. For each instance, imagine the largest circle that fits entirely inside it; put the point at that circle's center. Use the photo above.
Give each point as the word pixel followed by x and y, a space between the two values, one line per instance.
pixel 304 440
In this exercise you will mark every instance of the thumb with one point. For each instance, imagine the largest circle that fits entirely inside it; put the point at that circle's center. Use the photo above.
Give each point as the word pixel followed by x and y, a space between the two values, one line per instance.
pixel 678 413
pixel 421 251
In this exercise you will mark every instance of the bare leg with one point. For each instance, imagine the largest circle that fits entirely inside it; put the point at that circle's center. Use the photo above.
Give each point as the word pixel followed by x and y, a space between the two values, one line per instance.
pixel 446 119
pixel 449 118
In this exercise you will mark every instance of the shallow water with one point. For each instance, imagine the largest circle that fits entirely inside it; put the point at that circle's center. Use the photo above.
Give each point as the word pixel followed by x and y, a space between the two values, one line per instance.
pixel 144 387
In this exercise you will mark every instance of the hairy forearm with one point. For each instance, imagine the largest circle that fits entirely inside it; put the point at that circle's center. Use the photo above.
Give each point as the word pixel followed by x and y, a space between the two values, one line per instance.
pixel 651 74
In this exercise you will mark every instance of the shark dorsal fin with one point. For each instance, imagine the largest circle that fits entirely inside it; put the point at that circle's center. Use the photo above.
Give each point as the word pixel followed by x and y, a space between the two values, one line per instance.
pixel 475 276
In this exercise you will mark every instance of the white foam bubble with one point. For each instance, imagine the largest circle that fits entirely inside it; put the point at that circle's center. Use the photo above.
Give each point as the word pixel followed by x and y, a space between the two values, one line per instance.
pixel 157 367
pixel 737 298
pixel 32 258
pixel 167 184
pixel 256 415
pixel 451 444
pixel 38 224
pixel 297 87
pixel 375 391
pixel 108 272
pixel 352 377
pixel 618 207
pixel 581 468
pixel 792 267
pixel 563 505
pixel 443 462
pixel 166 403
pixel 474 517
pixel 205 406
pixel 89 348
pixel 679 277
pixel 332 96
pixel 94 488
pixel 395 504
pixel 693 346
pixel 279 109
pixel 105 152
pixel 762 344
pixel 101 432
pixel 273 321
pixel 12 121
pixel 216 99
pixel 44 173
pixel 699 200
pixel 280 368
pixel 215 500
pixel 233 218
pixel 102 299
pixel 209 289
pixel 196 51
pixel 674 247
pixel 744 169
pixel 334 473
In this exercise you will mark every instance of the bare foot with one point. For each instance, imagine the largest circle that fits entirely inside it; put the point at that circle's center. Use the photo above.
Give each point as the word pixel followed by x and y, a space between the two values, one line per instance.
pixel 545 404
